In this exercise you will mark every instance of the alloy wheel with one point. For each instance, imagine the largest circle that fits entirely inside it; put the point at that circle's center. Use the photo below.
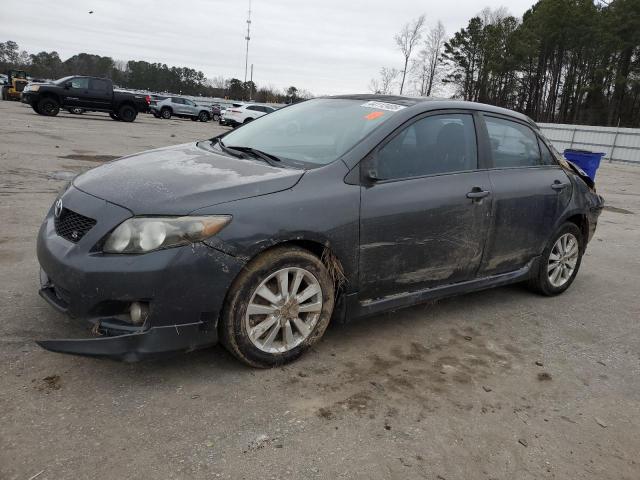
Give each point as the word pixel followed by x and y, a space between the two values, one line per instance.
pixel 283 310
pixel 563 259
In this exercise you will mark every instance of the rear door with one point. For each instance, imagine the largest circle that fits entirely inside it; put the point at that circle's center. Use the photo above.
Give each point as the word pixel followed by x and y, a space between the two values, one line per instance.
pixel 424 220
pixel 530 191
pixel 100 93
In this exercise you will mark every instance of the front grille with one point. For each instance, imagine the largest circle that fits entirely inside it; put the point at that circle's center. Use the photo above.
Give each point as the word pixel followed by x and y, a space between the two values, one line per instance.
pixel 73 226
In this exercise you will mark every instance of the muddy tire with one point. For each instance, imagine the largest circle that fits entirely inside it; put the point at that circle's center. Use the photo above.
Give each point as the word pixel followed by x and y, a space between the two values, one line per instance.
pixel 48 106
pixel 558 265
pixel 165 113
pixel 264 327
pixel 127 113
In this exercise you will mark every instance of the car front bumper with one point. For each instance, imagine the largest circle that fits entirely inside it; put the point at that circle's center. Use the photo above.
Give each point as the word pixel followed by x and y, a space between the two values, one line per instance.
pixel 28 97
pixel 184 288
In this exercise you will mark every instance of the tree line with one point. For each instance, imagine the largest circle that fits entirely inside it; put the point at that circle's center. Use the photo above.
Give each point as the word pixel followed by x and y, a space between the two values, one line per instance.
pixel 564 61
pixel 154 77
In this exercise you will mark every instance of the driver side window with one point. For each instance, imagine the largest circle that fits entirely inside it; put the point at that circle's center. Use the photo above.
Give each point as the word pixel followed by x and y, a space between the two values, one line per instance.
pixel 80 83
pixel 433 145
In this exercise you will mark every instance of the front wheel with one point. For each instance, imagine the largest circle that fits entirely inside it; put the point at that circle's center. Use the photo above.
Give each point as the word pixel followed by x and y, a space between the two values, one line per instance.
pixel 49 107
pixel 559 263
pixel 127 113
pixel 277 308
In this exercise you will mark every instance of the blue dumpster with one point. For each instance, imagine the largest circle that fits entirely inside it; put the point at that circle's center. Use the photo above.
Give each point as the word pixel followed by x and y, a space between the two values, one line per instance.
pixel 587 161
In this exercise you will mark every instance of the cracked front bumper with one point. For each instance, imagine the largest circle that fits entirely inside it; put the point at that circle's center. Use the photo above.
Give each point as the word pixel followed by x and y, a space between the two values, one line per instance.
pixel 184 288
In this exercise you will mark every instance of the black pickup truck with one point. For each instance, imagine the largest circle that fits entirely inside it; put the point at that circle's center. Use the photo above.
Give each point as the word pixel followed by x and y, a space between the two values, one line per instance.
pixel 87 93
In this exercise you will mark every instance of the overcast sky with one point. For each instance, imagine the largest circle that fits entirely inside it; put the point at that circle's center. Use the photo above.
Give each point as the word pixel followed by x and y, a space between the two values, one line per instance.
pixel 327 46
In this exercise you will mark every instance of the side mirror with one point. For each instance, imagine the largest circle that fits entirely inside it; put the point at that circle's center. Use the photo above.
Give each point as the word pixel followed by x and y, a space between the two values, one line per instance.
pixel 370 169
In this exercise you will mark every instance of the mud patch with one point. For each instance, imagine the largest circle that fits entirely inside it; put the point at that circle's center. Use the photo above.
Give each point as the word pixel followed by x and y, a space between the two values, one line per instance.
pixel 90 158
pixel 49 384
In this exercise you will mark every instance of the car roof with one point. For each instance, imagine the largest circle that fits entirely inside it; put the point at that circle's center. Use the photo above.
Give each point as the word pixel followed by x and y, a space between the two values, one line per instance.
pixel 434 103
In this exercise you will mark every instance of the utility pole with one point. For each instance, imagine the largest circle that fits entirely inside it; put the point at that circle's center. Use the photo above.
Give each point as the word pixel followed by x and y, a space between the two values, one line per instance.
pixel 251 83
pixel 247 38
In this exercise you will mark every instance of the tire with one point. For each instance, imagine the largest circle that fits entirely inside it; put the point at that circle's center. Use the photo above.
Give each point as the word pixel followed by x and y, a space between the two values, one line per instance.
pixel 235 322
pixel 76 110
pixel 127 113
pixel 35 109
pixel 165 113
pixel 48 106
pixel 216 117
pixel 568 263
pixel 203 116
pixel 114 116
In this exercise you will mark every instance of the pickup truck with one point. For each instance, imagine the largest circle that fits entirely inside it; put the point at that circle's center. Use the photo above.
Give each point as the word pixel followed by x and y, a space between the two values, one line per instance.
pixel 88 93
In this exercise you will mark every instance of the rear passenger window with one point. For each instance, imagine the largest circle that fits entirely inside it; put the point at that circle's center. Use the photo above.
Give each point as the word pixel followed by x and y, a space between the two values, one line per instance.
pixel 433 145
pixel 512 144
pixel 99 85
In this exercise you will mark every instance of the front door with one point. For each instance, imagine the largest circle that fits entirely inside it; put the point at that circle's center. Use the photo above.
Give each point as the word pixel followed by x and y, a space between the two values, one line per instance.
pixel 77 95
pixel 424 220
pixel 530 191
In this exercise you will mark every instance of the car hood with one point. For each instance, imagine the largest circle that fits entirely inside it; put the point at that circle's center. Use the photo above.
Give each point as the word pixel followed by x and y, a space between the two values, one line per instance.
pixel 180 179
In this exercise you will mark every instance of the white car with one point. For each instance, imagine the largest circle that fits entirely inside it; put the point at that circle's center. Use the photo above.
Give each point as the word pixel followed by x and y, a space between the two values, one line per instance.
pixel 237 115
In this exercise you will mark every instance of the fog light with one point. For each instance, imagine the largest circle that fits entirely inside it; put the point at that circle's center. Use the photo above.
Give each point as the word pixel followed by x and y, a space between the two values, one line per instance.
pixel 138 311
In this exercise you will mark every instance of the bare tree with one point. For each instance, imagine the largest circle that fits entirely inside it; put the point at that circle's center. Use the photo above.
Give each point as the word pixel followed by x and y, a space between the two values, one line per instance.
pixel 217 82
pixel 406 41
pixel 384 84
pixel 426 68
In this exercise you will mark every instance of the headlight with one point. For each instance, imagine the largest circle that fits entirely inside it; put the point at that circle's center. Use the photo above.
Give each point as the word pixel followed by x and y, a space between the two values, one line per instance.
pixel 32 88
pixel 144 234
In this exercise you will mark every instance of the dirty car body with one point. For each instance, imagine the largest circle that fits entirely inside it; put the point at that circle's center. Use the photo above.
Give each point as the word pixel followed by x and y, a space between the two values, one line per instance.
pixel 400 233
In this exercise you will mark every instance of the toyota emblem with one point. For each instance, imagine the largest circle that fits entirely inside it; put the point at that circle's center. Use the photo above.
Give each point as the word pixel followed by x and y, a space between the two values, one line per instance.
pixel 57 209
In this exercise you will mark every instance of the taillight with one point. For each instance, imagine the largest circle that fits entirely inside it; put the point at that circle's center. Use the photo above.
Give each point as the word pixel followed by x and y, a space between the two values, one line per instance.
pixel 148 99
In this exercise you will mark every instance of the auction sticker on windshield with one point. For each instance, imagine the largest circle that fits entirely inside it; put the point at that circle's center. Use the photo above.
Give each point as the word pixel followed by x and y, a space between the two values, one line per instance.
pixel 391 107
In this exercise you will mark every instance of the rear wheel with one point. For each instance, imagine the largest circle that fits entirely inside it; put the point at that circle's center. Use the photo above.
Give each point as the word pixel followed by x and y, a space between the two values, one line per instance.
pixel 165 113
pixel 203 117
pixel 277 308
pixel 48 106
pixel 127 113
pixel 559 263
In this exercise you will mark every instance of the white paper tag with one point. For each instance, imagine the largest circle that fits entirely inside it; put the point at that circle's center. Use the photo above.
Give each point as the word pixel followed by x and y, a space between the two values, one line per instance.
pixel 391 107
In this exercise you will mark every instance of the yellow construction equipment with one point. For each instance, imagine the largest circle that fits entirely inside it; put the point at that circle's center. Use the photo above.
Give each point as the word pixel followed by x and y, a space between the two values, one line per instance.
pixel 16 81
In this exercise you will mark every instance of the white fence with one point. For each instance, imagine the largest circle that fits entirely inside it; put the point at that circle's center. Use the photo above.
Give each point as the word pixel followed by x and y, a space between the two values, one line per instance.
pixel 618 144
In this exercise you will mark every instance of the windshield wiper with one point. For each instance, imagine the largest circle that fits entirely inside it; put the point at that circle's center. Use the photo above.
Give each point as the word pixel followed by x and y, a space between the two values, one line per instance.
pixel 267 157
pixel 231 151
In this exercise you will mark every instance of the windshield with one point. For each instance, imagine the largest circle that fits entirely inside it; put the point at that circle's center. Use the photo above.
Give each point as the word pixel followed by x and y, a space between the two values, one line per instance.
pixel 314 132
pixel 60 81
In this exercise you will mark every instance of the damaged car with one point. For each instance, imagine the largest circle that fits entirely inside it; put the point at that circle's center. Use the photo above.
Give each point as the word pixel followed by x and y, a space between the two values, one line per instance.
pixel 330 209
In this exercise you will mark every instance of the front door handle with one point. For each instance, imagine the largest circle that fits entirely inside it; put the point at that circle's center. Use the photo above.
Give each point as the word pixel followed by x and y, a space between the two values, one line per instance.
pixel 558 185
pixel 477 193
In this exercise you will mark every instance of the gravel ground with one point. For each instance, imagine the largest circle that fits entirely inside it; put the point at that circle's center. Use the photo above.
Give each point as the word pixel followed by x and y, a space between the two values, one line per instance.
pixel 501 384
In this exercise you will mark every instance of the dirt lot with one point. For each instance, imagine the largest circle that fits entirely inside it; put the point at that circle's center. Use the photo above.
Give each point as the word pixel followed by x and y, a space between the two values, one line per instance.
pixel 501 384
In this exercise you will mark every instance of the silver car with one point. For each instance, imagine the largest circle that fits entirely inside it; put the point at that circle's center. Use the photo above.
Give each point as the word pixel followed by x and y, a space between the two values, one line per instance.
pixel 180 107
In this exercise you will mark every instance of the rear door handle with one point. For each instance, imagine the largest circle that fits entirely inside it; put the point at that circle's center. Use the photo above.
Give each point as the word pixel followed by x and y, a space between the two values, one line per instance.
pixel 559 185
pixel 477 193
